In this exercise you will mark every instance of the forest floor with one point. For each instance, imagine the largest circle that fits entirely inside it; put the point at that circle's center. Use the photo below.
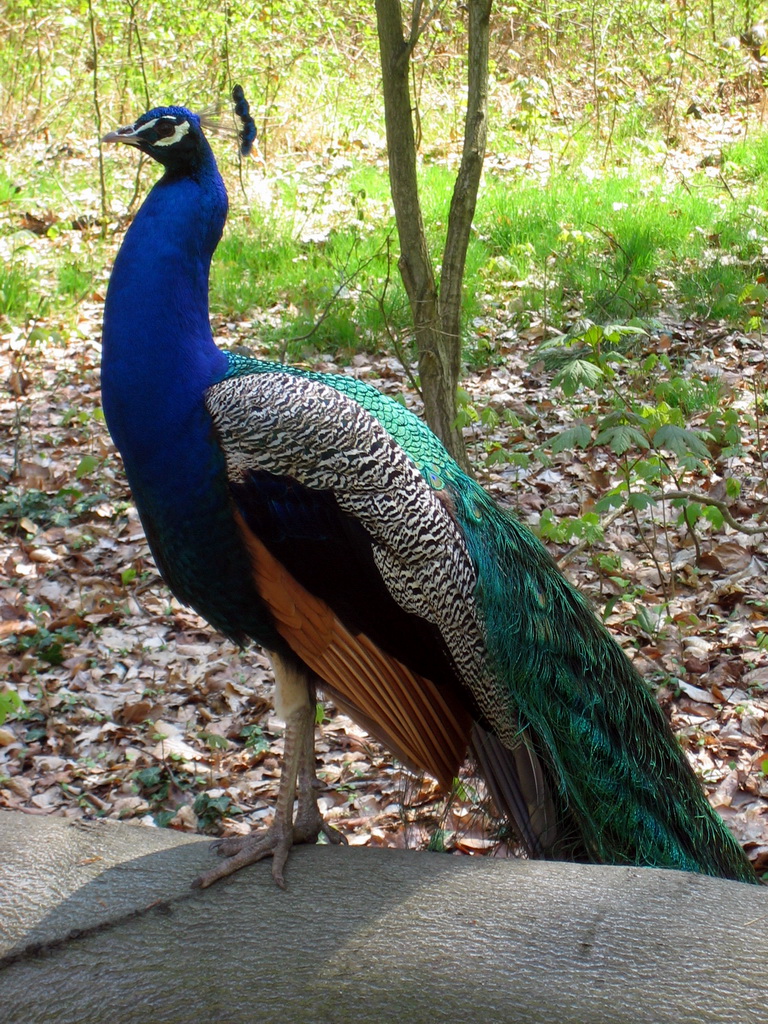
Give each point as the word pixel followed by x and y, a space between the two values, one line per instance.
pixel 136 710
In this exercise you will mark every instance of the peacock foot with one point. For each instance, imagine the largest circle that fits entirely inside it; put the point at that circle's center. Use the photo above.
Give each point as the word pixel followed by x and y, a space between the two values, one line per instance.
pixel 310 823
pixel 275 841
pixel 297 779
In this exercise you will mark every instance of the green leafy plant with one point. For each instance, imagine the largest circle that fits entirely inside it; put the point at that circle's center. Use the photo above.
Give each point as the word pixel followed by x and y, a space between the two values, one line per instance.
pixel 10 703
pixel 641 410
pixel 154 782
pixel 162 786
pixel 255 740
pixel 49 646
pixel 58 508
pixel 210 810
pixel 213 740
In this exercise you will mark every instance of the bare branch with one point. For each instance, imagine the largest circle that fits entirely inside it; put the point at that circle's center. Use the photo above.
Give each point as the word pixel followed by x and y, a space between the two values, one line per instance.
pixel 418 30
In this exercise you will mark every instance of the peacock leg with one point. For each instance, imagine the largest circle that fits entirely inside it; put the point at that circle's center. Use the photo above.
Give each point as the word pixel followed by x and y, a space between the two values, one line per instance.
pixel 293 704
pixel 309 822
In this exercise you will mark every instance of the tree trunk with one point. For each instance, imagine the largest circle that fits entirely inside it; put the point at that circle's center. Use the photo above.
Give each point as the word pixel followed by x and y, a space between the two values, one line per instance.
pixel 436 315
pixel 98 925
pixel 467 181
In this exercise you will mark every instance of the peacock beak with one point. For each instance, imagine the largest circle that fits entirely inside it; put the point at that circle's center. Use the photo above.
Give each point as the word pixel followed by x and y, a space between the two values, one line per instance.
pixel 128 134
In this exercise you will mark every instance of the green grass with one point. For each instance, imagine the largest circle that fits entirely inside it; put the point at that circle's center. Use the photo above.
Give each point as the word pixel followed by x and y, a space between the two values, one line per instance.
pixel 749 158
pixel 19 296
pixel 75 281
pixel 262 265
pixel 40 273
pixel 608 245
pixel 316 251
pixel 334 244
pixel 618 246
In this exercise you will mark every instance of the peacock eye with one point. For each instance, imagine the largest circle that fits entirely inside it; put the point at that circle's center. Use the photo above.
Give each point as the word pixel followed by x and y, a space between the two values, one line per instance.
pixel 164 129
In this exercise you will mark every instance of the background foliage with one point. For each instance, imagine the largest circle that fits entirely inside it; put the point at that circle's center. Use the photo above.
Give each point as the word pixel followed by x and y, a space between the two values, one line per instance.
pixel 312 69
pixel 590 94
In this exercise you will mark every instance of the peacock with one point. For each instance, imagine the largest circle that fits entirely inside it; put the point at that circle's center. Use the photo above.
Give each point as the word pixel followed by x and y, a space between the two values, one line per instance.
pixel 321 519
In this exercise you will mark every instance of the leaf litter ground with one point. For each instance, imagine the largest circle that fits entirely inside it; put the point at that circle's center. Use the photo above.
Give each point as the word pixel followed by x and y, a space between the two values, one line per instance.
pixel 137 711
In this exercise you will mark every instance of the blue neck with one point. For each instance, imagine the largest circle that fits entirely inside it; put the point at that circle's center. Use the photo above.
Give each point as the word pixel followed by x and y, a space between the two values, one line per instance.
pixel 158 351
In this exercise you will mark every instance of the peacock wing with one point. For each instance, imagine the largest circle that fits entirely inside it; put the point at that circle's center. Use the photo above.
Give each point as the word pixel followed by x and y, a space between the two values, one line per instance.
pixel 362 567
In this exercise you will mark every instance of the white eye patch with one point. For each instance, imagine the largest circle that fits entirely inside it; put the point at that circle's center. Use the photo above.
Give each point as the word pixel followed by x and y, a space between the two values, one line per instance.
pixel 179 132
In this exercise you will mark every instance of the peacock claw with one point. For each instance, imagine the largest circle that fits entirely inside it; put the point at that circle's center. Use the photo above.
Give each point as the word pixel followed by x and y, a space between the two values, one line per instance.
pixel 310 823
pixel 231 845
pixel 334 837
pixel 276 842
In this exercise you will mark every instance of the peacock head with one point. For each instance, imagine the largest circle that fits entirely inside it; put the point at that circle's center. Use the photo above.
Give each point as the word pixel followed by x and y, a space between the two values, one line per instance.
pixel 171 135
pixel 174 136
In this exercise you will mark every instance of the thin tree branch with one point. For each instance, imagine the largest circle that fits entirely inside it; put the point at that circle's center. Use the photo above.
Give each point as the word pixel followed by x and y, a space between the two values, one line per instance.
pixel 722 507
pixel 97 113
pixel 329 305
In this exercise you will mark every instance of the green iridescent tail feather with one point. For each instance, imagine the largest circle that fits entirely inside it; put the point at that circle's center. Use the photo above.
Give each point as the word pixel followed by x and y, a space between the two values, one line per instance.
pixel 617 768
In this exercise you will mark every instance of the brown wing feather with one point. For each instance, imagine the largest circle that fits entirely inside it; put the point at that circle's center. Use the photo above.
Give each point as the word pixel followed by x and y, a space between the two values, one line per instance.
pixel 409 713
